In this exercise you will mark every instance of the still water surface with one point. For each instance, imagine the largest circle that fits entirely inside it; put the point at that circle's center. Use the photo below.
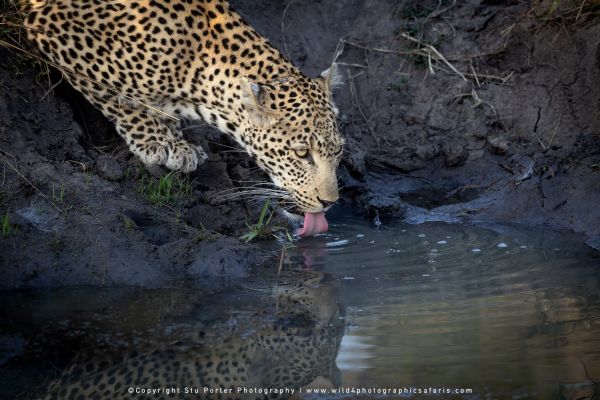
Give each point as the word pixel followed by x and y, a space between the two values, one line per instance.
pixel 506 312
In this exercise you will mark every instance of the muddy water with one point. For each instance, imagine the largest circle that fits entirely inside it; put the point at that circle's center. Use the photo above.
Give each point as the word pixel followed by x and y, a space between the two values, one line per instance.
pixel 502 312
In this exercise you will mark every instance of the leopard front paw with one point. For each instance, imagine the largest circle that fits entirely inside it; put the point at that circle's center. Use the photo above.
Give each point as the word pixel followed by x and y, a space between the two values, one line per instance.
pixel 151 153
pixel 185 157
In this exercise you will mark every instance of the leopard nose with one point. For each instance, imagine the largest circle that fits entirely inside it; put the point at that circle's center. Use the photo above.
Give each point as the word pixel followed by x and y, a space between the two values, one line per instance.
pixel 326 203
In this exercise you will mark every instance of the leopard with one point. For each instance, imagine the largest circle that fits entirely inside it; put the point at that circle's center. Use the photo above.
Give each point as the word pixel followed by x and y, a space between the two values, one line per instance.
pixel 194 360
pixel 148 65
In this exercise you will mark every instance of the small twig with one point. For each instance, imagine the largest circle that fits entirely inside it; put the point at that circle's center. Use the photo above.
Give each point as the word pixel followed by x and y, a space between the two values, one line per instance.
pixel 460 190
pixel 194 126
pixel 474 73
pixel 3 175
pixel 352 65
pixel 501 79
pixel 383 50
pixel 478 100
pixel 281 261
pixel 506 32
pixel 356 101
pixel 51 89
pixel 546 147
pixel 579 14
pixel 4 156
pixel 437 53
pixel 430 64
pixel 285 10
pixel 15 93
pixel 439 11
pixel 555 130
pixel 339 49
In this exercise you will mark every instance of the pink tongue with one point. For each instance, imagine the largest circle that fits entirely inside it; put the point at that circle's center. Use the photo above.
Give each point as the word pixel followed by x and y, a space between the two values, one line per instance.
pixel 313 223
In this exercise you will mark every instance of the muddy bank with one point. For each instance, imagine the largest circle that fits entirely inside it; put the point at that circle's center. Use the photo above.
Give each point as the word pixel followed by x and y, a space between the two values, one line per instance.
pixel 82 211
pixel 474 110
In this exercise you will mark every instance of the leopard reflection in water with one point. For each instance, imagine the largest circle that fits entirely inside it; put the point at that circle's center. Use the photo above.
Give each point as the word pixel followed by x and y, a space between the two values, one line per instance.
pixel 294 346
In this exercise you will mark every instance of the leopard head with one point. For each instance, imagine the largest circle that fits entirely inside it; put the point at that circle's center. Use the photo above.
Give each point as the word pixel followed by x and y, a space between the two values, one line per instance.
pixel 292 134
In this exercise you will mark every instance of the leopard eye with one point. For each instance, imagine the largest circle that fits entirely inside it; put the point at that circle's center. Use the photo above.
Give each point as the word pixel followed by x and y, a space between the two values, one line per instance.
pixel 339 151
pixel 302 153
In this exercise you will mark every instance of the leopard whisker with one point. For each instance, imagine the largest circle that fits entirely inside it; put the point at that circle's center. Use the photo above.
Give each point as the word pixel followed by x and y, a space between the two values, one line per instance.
pixel 254 189
pixel 254 192
pixel 254 186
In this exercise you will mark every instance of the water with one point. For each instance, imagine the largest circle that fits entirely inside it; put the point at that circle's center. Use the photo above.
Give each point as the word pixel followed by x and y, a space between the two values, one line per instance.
pixel 501 311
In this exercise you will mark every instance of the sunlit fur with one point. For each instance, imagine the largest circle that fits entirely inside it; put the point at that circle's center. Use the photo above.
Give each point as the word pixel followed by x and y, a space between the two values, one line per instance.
pixel 141 61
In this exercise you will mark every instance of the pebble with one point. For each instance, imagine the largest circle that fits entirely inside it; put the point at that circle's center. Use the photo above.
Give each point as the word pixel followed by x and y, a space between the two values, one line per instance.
pixel 338 243
pixel 377 221
pixel 109 168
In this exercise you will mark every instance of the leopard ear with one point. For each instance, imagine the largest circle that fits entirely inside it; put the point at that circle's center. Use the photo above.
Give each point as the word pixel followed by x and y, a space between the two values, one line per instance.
pixel 331 78
pixel 252 99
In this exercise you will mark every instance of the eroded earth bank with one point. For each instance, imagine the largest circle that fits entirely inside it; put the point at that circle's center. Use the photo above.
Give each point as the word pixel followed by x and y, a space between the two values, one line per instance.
pixel 454 111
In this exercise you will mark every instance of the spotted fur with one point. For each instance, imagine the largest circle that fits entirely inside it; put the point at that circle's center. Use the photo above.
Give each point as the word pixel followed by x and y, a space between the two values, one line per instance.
pixel 141 61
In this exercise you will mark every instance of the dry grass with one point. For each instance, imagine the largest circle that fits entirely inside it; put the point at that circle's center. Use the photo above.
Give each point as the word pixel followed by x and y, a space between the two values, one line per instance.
pixel 10 161
pixel 435 61
pixel 566 13
pixel 10 20
pixel 24 56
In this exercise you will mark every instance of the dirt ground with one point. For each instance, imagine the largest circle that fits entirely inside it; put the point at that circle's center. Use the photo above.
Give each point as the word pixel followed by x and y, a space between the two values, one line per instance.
pixel 452 111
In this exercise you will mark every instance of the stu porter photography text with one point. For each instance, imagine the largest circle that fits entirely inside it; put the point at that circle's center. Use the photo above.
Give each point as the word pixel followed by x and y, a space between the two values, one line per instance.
pixel 202 390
